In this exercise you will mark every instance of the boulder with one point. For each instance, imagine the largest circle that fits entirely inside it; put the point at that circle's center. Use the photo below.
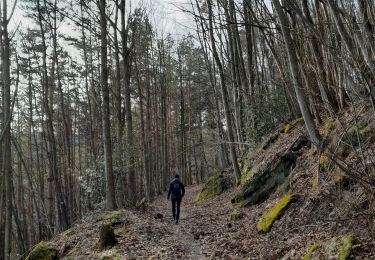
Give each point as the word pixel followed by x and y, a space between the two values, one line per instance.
pixel 215 185
pixel 43 251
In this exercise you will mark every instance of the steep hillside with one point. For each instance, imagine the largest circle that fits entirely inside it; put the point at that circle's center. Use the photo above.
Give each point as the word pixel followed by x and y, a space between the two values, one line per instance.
pixel 291 203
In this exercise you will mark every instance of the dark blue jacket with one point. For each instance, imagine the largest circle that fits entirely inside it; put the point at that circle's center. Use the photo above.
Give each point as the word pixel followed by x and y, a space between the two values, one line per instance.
pixel 176 189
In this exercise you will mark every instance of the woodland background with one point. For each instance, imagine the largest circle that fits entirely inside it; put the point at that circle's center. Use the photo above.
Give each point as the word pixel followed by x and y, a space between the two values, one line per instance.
pixel 112 127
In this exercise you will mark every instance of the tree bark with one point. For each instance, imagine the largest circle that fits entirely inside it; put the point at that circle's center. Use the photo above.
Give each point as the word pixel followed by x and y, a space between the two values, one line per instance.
pixel 108 164
pixel 237 172
pixel 296 72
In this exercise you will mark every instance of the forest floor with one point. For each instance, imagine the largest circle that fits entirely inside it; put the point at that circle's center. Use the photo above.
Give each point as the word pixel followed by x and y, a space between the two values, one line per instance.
pixel 330 207
pixel 204 232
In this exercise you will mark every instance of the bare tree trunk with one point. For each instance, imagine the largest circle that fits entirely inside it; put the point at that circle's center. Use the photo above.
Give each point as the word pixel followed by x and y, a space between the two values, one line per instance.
pixel 296 72
pixel 224 90
pixel 7 157
pixel 108 164
pixel 131 183
pixel 368 70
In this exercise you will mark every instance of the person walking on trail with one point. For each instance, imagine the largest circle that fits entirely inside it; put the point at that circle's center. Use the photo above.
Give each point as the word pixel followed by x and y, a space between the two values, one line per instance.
pixel 176 192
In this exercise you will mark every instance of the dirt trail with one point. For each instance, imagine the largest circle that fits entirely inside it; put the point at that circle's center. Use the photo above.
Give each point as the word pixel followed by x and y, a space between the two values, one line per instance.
pixel 202 233
pixel 181 236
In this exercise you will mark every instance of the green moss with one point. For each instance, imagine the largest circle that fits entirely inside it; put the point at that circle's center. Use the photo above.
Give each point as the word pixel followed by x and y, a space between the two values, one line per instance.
pixel 213 187
pixel 235 215
pixel 367 132
pixel 265 224
pixel 264 182
pixel 330 126
pixel 42 251
pixel 246 176
pixel 324 162
pixel 238 201
pixel 335 248
pixel 291 125
pixel 339 176
pixel 111 215
pixel 311 251
pixel 346 245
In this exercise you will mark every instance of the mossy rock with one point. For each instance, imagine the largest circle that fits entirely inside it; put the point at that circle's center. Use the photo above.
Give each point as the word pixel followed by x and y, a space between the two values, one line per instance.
pixel 334 248
pixel 286 128
pixel 215 185
pixel 258 188
pixel 276 212
pixel 43 251
pixel 235 215
pixel 245 177
pixel 115 217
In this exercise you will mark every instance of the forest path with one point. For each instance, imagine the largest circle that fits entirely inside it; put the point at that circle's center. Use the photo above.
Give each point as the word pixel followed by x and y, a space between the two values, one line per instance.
pixel 150 232
pixel 182 237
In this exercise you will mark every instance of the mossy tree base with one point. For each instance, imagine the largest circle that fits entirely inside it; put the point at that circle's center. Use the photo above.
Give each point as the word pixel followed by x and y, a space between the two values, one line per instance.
pixel 107 238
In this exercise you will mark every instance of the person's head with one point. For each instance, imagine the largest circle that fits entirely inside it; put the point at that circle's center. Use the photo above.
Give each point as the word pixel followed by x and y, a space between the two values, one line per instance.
pixel 177 176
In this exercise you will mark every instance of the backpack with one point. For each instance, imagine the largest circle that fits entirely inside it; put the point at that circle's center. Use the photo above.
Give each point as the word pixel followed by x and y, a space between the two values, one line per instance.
pixel 176 188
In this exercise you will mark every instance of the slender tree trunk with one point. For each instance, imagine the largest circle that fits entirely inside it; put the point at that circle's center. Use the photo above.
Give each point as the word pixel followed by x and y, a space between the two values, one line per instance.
pixel 368 69
pixel 7 157
pixel 108 164
pixel 224 90
pixel 296 72
pixel 131 183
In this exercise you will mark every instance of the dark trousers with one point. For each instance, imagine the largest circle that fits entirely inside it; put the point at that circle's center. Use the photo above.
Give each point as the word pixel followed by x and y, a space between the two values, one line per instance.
pixel 176 202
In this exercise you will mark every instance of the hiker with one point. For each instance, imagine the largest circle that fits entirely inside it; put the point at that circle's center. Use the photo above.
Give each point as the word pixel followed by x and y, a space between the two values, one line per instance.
pixel 176 192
